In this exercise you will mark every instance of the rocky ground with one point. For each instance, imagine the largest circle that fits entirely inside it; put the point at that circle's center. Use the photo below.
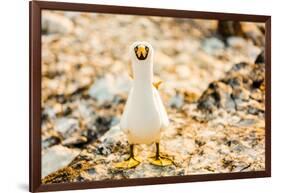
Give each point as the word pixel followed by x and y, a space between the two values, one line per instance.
pixel 213 90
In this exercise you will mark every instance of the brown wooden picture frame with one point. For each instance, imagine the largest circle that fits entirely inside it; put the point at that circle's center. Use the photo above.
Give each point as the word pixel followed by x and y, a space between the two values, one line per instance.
pixel 36 7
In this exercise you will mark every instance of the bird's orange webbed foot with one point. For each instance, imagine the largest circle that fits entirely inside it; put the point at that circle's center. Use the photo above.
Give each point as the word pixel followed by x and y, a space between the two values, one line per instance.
pixel 159 160
pixel 129 163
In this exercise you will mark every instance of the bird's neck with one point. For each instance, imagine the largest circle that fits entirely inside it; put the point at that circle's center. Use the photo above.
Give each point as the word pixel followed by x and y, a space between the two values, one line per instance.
pixel 143 74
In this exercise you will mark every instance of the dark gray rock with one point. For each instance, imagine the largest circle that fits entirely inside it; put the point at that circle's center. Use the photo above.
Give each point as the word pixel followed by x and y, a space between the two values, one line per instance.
pixel 234 91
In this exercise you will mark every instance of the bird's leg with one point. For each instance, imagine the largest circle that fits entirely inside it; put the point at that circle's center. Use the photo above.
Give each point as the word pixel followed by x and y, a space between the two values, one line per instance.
pixel 130 162
pixel 159 160
pixel 157 155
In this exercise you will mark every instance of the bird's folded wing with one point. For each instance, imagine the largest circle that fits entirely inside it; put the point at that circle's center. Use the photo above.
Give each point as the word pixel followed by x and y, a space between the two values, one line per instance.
pixel 157 84
pixel 161 109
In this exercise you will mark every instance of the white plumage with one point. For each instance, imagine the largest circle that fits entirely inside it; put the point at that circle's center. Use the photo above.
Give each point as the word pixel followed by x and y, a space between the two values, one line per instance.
pixel 144 115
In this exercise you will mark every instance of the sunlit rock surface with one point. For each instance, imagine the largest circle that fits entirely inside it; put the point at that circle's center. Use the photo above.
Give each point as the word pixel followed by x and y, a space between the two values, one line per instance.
pixel 213 89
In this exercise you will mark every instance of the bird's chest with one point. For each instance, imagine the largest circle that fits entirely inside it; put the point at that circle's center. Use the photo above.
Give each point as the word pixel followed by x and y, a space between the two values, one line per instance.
pixel 143 109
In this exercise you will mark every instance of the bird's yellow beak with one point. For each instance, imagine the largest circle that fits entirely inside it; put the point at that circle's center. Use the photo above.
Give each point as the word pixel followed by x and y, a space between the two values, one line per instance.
pixel 141 52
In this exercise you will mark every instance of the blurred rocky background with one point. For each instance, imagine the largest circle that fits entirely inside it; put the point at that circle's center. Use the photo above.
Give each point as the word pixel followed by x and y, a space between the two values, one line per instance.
pixel 213 89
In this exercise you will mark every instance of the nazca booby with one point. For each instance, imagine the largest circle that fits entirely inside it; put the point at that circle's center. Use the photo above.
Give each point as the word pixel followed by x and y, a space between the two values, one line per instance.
pixel 144 115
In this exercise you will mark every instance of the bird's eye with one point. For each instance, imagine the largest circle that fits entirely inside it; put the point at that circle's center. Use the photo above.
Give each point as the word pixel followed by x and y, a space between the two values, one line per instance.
pixel 136 49
pixel 146 49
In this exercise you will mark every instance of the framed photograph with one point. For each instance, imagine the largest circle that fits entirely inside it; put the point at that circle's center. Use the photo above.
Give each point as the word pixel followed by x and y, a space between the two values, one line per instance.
pixel 126 96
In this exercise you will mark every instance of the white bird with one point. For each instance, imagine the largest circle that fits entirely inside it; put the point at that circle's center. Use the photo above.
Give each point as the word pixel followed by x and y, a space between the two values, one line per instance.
pixel 144 116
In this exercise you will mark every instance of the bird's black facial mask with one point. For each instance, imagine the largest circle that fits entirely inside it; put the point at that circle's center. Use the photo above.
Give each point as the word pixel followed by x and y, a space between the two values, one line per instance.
pixel 141 52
